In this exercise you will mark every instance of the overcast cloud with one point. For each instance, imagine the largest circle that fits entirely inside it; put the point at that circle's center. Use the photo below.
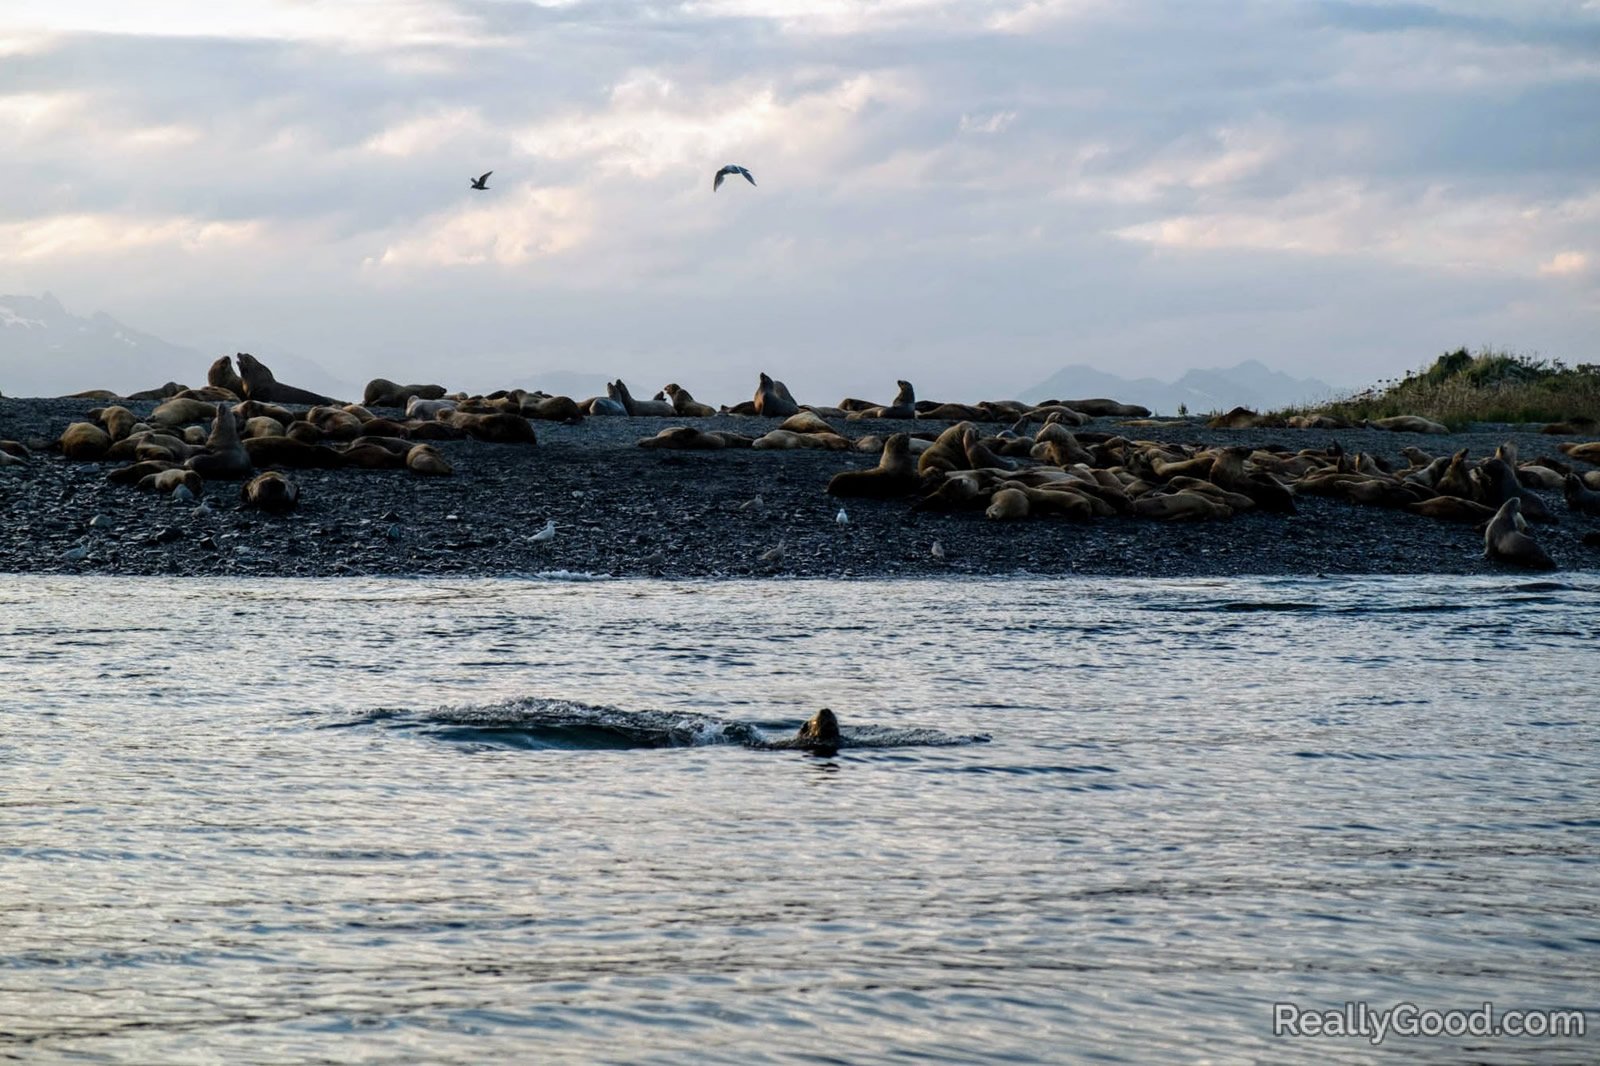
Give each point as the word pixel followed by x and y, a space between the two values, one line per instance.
pixel 969 194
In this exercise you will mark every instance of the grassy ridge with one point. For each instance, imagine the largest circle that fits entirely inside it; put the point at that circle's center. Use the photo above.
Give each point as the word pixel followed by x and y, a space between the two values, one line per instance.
pixel 1461 388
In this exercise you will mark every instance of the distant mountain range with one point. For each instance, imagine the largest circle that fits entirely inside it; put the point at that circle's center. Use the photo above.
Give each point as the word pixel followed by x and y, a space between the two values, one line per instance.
pixel 1249 384
pixel 45 350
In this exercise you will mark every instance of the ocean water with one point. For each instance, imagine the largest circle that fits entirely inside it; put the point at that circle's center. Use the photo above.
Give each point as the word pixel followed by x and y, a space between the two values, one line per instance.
pixel 530 820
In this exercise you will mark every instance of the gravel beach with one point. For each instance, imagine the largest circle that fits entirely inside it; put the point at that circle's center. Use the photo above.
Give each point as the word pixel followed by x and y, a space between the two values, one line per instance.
pixel 628 511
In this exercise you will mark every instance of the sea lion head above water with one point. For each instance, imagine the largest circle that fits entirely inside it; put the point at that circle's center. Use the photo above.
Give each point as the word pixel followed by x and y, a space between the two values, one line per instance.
pixel 819 734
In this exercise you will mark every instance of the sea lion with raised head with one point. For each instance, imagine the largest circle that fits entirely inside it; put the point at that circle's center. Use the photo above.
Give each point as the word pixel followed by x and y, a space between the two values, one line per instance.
pixel 259 384
pixel 225 455
pixel 685 404
pixel 819 735
pixel 222 375
pixel 895 476
pixel 618 390
pixel 1506 538
pixel 772 402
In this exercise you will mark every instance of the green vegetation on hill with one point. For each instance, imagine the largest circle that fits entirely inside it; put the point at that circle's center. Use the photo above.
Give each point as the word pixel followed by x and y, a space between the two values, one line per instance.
pixel 1460 388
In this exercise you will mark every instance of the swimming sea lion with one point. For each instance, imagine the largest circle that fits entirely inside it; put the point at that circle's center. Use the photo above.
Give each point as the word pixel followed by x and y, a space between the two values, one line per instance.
pixel 771 401
pixel 272 492
pixel 1506 537
pixel 259 384
pixel 819 735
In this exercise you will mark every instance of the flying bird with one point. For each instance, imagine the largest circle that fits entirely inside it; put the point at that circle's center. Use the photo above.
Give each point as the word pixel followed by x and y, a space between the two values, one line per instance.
pixel 731 168
pixel 483 182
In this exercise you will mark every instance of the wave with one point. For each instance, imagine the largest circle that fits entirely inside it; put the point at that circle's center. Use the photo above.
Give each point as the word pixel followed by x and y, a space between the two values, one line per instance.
pixel 536 723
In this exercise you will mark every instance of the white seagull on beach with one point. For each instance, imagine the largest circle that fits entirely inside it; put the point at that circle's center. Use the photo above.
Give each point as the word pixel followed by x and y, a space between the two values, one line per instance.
pixel 731 168
pixel 842 518
pixel 545 534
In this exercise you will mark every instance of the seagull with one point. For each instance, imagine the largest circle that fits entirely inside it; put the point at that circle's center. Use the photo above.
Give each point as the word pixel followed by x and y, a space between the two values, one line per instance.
pixel 842 518
pixel 731 168
pixel 773 555
pixel 76 554
pixel 755 503
pixel 545 534
pixel 937 550
pixel 483 182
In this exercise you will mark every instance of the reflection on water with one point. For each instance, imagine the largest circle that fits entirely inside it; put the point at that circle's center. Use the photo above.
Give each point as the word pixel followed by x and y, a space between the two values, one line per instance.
pixel 334 821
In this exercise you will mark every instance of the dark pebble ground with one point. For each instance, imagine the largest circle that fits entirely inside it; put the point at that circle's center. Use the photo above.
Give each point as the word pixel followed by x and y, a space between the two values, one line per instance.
pixel 625 510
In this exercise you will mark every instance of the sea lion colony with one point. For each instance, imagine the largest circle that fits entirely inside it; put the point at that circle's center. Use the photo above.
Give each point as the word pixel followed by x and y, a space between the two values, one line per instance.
pixel 1043 464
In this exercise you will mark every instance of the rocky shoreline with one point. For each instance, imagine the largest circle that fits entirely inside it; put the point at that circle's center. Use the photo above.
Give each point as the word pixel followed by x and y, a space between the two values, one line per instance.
pixel 623 510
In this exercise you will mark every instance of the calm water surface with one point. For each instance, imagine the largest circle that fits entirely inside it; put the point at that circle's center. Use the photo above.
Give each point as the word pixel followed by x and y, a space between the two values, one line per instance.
pixel 381 821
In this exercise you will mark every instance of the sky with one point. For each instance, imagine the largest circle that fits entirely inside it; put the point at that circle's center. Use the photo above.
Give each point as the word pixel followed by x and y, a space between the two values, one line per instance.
pixel 969 195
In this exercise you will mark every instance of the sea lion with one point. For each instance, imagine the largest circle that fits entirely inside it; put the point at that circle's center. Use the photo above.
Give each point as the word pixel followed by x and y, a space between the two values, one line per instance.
pixel 1103 408
pixel 1580 497
pixel 946 453
pixel 686 438
pixel 1409 424
pixel 618 390
pixel 895 476
pixel 271 491
pixel 551 408
pixel 259 384
pixel 160 392
pixel 1584 453
pixel 904 405
pixel 425 459
pixel 1180 507
pixel 773 401
pixel 1451 509
pixel 806 422
pixel 118 421
pixel 381 392
pixel 1238 418
pixel 1007 504
pixel 1506 538
pixel 181 412
pixel 225 456
pixel 289 452
pixel 418 408
pixel 495 428
pixel 222 375
pixel 818 735
pixel 1228 472
pixel 85 441
pixel 979 455
pixel 167 481
pixel 685 404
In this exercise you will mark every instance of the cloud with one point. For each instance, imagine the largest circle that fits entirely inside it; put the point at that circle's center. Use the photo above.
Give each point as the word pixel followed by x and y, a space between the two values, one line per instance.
pixel 68 237
pixel 1565 264
pixel 537 223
